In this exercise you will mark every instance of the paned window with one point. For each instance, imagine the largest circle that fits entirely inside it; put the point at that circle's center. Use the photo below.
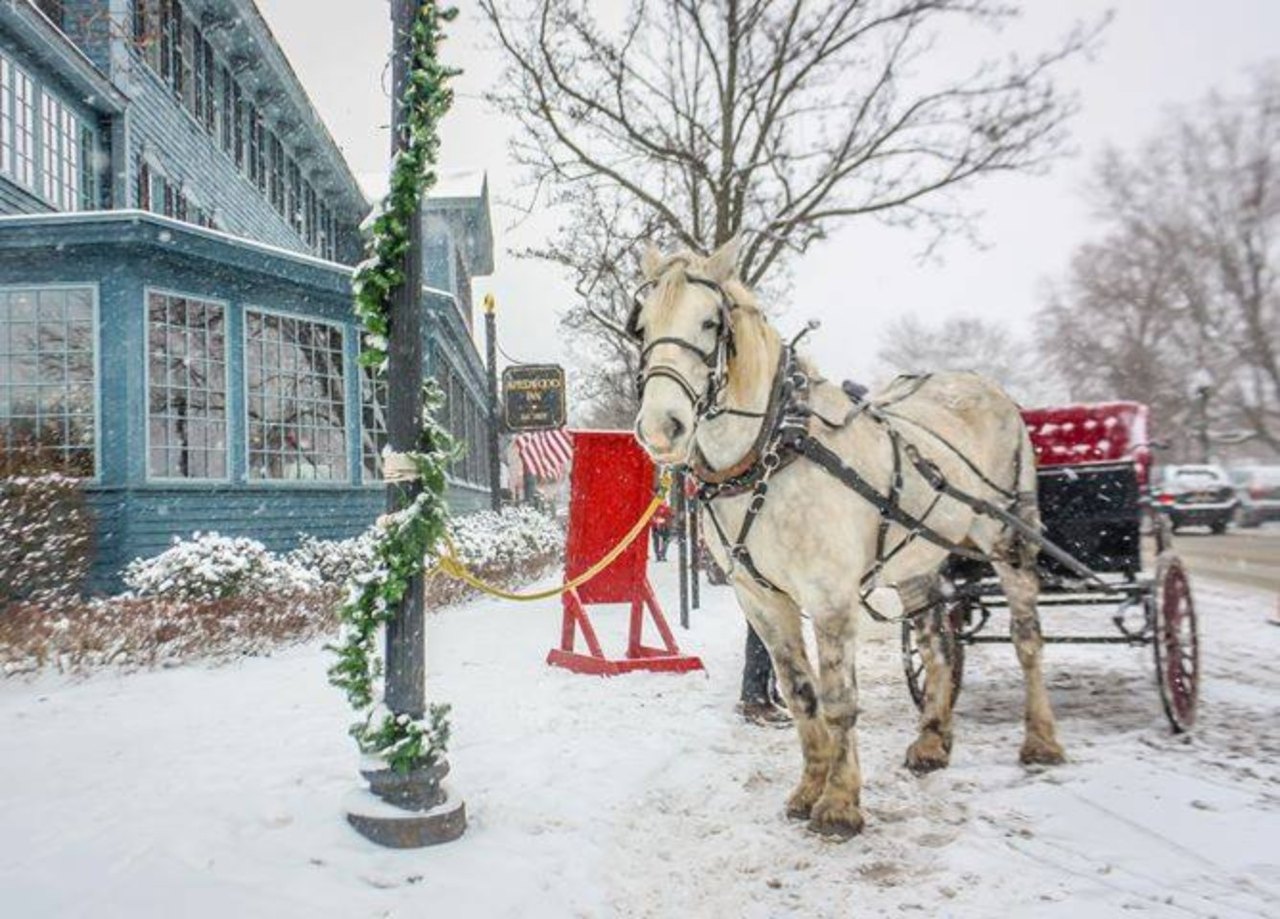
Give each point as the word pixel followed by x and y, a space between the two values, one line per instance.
pixel 293 198
pixel 276 165
pixel 64 174
pixel 257 149
pixel 295 399
pixel 227 111
pixel 186 388
pixel 6 116
pixel 239 107
pixel 47 375
pixel 17 124
pixel 144 186
pixel 309 214
pixel 199 95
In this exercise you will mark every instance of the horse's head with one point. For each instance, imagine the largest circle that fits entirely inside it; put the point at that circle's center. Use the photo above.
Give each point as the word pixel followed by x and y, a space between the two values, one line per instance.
pixel 700 334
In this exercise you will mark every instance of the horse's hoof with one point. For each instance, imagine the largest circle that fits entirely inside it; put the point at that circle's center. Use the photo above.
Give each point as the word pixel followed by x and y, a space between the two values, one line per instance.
pixel 798 810
pixel 927 754
pixel 836 821
pixel 800 804
pixel 1036 751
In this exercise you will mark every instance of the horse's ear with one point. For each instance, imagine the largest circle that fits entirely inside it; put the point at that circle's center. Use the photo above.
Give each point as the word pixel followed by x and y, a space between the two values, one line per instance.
pixel 722 265
pixel 650 262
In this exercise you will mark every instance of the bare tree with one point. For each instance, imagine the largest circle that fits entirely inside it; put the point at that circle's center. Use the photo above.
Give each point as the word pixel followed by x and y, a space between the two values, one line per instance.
pixel 908 345
pixel 693 122
pixel 1184 290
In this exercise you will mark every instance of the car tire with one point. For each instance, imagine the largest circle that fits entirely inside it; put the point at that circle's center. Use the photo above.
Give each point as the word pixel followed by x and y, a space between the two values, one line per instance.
pixel 1218 527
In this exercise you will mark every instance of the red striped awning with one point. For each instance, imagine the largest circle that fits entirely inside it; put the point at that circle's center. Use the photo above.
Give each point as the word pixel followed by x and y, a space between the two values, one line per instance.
pixel 547 454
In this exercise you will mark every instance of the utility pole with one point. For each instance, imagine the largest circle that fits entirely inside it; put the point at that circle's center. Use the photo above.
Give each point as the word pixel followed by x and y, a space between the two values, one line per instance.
pixel 495 417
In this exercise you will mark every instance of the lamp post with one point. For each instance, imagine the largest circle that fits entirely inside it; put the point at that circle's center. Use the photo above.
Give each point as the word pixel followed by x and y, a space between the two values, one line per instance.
pixel 1201 390
pixel 414 810
pixel 491 356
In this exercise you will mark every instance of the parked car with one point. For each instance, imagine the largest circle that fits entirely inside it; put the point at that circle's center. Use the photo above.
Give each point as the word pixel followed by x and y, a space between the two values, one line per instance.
pixel 1195 496
pixel 1258 491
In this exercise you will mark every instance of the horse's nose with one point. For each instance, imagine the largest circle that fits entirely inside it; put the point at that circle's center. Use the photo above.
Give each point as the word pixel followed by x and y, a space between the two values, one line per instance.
pixel 661 434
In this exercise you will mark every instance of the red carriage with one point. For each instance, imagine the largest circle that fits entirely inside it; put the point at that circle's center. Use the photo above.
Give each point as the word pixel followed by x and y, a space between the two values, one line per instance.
pixel 1093 472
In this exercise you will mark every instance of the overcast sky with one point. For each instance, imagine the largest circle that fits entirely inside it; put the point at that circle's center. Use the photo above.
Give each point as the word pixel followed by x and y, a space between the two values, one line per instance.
pixel 1157 53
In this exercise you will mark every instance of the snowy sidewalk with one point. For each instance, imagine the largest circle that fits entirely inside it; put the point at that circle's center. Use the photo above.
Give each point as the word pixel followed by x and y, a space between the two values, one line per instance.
pixel 215 792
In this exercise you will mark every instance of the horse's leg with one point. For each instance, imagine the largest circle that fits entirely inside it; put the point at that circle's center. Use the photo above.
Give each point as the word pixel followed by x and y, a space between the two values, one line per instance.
pixel 776 619
pixel 1022 586
pixel 837 812
pixel 932 748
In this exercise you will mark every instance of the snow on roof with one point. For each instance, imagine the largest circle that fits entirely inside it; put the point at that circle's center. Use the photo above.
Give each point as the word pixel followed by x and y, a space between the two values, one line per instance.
pixel 458 183
pixel 450 183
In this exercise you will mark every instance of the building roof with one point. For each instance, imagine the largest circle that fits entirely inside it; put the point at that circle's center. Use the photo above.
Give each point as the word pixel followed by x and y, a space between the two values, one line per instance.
pixel 247 36
pixel 143 228
pixel 61 55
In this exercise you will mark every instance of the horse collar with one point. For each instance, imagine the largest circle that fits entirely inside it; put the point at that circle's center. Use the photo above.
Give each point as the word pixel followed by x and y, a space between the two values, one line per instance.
pixel 770 451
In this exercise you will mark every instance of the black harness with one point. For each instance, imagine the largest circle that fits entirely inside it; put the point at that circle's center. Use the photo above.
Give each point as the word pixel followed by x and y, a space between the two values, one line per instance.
pixel 785 437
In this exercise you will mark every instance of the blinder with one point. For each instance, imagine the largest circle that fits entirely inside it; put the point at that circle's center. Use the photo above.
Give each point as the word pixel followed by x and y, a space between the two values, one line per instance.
pixel 716 359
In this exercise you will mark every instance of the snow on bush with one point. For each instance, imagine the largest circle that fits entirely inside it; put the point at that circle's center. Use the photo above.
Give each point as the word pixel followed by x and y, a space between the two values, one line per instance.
pixel 512 536
pixel 213 597
pixel 333 561
pixel 45 537
pixel 213 567
pixel 514 542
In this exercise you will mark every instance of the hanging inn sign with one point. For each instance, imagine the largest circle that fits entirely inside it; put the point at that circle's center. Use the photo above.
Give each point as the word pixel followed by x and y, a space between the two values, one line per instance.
pixel 533 397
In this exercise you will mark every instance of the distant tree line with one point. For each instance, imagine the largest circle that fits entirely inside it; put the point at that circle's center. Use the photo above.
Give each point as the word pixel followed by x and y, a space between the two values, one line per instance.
pixel 1176 301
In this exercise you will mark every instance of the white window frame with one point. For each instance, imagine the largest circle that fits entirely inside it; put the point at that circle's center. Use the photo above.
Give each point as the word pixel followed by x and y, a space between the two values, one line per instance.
pixel 346 480
pixel 92 287
pixel 169 481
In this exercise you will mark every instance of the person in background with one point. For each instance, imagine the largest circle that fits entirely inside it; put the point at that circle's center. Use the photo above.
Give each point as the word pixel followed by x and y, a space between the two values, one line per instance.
pixel 661 531
pixel 759 702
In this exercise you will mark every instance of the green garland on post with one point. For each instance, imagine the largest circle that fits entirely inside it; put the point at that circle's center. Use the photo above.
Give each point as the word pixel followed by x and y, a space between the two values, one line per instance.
pixel 404 537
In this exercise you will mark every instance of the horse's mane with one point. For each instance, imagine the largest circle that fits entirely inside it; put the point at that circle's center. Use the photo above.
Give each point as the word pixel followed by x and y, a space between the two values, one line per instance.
pixel 756 342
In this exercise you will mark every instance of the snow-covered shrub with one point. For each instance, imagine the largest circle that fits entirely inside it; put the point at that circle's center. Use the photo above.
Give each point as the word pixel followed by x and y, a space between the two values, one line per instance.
pixel 333 560
pixel 213 567
pixel 513 536
pixel 46 536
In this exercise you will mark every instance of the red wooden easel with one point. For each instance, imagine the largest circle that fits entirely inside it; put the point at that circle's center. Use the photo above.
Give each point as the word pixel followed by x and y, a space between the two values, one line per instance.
pixel 610 487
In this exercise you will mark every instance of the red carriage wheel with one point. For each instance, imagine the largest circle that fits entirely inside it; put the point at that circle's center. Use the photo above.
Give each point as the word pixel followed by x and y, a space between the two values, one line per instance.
pixel 1177 643
pixel 952 649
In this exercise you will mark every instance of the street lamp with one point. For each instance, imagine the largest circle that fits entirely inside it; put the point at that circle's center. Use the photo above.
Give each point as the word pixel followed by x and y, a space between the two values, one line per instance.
pixel 1201 389
pixel 491 356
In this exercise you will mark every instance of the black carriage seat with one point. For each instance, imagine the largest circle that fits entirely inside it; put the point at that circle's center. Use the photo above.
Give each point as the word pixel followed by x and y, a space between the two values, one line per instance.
pixel 1094 511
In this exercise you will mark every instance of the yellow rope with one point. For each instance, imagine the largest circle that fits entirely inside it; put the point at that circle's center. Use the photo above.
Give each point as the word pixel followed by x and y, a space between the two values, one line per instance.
pixel 455 567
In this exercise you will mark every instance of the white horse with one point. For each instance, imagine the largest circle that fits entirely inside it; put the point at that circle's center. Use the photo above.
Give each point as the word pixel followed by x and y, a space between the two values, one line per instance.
pixel 723 395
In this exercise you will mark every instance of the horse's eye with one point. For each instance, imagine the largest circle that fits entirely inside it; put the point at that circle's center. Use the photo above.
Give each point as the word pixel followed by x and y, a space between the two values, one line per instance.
pixel 711 325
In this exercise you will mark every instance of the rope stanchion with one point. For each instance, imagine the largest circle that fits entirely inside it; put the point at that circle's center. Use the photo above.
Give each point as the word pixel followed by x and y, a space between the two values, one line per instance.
pixel 452 566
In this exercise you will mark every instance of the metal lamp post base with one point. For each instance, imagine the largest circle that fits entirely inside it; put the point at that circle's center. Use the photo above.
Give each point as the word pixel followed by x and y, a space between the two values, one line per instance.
pixel 406 812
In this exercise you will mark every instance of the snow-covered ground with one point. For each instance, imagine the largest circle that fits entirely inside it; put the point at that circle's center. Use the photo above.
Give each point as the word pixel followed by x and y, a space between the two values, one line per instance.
pixel 216 791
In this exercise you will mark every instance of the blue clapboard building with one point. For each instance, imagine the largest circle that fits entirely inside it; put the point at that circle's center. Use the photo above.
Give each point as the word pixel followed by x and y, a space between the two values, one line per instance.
pixel 177 230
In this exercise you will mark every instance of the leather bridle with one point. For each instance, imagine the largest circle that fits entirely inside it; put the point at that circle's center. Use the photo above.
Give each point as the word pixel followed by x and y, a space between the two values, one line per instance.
pixel 706 404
